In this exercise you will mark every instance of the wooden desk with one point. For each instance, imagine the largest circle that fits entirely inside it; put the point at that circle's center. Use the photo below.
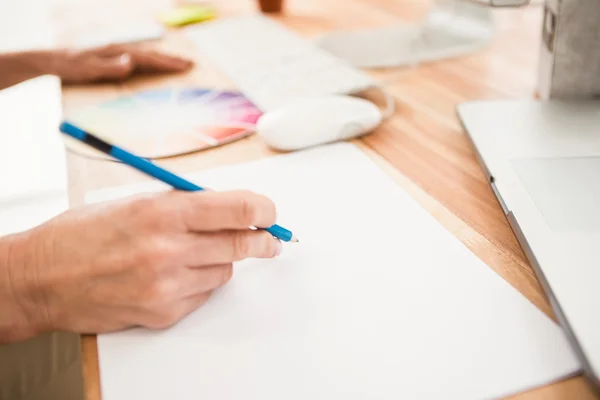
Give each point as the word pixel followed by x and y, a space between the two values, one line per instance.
pixel 422 146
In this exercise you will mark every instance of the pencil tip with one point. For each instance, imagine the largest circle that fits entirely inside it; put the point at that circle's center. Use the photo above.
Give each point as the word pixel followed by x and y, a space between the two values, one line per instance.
pixel 294 239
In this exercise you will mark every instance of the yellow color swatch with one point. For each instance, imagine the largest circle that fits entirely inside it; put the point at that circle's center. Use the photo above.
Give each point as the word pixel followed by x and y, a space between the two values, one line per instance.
pixel 187 14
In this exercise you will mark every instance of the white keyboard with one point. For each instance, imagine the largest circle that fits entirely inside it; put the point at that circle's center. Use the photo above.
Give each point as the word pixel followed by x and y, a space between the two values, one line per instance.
pixel 272 65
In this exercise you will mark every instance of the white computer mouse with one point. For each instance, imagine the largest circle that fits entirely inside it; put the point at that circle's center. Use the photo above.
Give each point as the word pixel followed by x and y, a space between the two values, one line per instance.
pixel 317 120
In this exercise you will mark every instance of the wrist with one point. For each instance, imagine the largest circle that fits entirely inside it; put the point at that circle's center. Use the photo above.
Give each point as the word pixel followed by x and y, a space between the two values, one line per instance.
pixel 21 297
pixel 20 66
pixel 42 62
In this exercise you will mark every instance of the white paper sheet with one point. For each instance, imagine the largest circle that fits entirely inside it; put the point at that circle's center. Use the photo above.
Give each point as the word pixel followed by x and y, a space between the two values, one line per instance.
pixel 32 153
pixel 377 301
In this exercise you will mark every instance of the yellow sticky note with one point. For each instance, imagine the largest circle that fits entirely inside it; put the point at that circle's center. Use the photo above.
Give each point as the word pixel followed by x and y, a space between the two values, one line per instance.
pixel 187 14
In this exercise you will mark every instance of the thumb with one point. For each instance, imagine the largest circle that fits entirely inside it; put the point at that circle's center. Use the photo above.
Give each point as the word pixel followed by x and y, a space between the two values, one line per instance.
pixel 113 68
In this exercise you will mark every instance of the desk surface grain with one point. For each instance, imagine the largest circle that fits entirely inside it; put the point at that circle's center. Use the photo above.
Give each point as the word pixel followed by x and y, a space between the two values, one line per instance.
pixel 422 146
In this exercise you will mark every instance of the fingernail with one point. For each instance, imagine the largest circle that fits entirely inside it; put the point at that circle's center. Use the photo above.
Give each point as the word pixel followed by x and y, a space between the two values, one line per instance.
pixel 278 248
pixel 185 65
pixel 125 59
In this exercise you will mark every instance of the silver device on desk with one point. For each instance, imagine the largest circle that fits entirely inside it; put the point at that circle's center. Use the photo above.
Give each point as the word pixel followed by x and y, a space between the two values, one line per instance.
pixel 542 159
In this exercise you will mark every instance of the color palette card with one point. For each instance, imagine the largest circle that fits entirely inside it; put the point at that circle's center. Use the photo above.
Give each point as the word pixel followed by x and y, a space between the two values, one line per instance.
pixel 170 121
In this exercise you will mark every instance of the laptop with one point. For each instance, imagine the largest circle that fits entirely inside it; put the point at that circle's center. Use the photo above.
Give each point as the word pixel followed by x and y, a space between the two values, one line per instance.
pixel 542 160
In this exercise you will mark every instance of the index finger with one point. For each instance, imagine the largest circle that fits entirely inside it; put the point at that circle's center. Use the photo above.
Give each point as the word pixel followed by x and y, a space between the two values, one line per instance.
pixel 151 61
pixel 210 211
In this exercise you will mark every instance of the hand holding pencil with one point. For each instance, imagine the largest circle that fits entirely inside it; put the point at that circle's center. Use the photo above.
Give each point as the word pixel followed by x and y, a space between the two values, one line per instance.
pixel 146 260
pixel 153 170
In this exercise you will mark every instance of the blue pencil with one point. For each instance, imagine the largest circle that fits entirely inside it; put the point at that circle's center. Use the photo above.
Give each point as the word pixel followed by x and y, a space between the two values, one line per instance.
pixel 153 170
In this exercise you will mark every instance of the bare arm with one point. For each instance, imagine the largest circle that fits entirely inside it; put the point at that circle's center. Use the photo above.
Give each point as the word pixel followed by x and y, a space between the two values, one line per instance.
pixel 17 67
pixel 109 63
pixel 21 319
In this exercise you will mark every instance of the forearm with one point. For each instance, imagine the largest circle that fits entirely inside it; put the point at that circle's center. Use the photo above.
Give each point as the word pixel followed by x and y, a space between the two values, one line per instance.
pixel 20 66
pixel 20 318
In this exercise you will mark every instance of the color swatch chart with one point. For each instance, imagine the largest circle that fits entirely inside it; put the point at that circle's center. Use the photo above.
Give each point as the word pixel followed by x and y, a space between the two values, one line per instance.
pixel 171 121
